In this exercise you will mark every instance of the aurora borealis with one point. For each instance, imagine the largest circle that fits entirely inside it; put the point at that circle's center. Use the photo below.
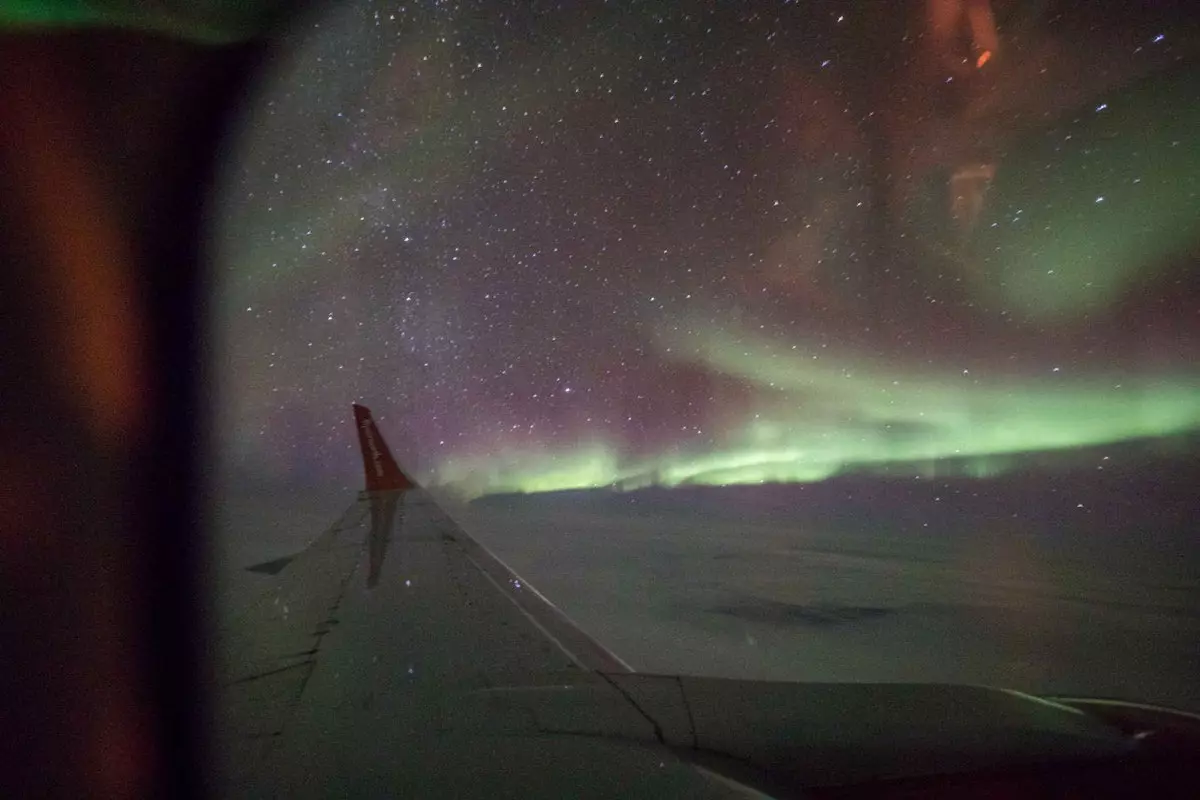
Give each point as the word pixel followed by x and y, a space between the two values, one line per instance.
pixel 672 243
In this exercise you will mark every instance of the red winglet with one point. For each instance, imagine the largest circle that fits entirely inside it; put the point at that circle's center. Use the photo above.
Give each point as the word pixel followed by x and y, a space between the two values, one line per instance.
pixel 383 475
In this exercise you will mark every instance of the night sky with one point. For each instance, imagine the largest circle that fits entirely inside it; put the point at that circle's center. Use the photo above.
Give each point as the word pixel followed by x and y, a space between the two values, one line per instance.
pixel 661 243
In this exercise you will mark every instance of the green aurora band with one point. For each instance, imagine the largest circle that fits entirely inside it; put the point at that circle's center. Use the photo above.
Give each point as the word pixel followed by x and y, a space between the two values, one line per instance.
pixel 822 415
pixel 1069 233
pixel 1067 243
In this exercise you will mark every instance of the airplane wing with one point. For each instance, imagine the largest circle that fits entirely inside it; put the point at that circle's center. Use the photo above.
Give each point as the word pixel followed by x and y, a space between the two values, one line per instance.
pixel 382 661
pixel 399 657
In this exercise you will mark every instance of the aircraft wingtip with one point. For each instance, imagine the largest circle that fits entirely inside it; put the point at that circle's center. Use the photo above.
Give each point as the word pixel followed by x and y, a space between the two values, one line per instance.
pixel 382 472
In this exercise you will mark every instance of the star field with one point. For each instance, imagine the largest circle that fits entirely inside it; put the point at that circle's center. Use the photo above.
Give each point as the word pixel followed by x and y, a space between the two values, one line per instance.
pixel 558 246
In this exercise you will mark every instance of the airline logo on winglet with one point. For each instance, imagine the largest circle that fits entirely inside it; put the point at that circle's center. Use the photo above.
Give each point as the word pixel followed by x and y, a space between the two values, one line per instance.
pixel 369 441
pixel 381 470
